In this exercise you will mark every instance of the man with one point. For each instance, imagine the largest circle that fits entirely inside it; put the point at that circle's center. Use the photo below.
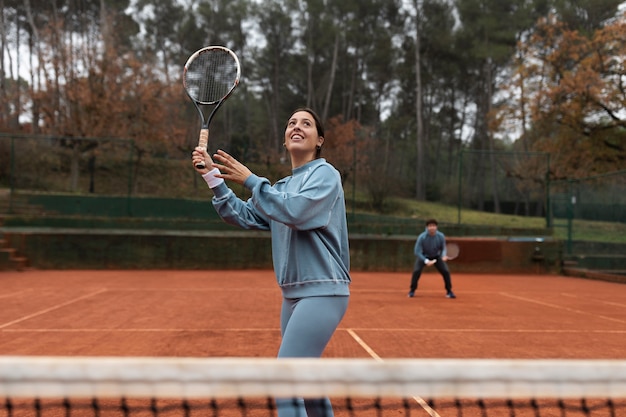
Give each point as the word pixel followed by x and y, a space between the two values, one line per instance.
pixel 430 250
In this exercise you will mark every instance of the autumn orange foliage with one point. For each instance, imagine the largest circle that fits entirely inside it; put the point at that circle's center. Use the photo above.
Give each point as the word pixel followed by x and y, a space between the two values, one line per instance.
pixel 570 98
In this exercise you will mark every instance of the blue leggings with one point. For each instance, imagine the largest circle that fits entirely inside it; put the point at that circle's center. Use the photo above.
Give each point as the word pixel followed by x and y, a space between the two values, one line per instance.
pixel 306 325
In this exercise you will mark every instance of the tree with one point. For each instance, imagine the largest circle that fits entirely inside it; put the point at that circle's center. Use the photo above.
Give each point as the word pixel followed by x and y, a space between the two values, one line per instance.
pixel 492 28
pixel 575 96
pixel 585 15
pixel 11 83
pixel 419 78
pixel 341 146
pixel 162 25
pixel 420 169
pixel 272 63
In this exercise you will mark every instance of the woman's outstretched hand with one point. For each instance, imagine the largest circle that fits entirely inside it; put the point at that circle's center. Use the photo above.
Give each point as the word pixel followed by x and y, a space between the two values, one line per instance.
pixel 230 168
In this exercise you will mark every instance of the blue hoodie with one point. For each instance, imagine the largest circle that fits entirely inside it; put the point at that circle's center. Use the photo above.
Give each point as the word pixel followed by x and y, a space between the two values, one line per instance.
pixel 306 215
pixel 430 247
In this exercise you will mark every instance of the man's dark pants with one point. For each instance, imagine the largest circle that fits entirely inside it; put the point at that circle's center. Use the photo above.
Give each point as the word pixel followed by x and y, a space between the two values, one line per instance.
pixel 441 267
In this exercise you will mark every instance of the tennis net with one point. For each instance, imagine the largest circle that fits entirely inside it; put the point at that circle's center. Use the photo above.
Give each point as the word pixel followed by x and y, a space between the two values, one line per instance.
pixel 156 386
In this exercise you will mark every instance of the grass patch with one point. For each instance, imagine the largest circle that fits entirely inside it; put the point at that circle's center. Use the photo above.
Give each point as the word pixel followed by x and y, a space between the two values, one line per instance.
pixel 586 230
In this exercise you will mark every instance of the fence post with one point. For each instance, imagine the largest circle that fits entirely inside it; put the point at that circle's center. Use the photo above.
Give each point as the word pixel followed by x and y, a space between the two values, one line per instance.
pixel 460 194
pixel 12 175
pixel 130 178
pixel 571 201
pixel 548 202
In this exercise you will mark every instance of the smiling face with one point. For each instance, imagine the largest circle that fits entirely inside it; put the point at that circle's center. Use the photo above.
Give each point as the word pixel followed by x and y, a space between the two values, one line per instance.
pixel 302 136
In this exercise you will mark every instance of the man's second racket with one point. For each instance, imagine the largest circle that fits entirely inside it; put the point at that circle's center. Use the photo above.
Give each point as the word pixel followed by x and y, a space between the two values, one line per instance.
pixel 209 78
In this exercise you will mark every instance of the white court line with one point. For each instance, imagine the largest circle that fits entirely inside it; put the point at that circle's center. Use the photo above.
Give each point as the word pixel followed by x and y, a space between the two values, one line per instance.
pixel 447 330
pixel 47 310
pixel 596 300
pixel 116 330
pixel 156 289
pixel 13 294
pixel 374 355
pixel 572 310
pixel 272 329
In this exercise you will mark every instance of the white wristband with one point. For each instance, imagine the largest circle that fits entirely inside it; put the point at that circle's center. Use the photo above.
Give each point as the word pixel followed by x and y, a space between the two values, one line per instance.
pixel 211 179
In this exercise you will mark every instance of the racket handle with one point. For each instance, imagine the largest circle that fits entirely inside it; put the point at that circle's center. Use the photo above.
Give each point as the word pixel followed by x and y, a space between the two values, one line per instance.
pixel 203 143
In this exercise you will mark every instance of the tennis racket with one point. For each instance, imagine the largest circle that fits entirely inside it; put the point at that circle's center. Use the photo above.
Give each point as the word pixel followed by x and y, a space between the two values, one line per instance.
pixel 209 78
pixel 452 251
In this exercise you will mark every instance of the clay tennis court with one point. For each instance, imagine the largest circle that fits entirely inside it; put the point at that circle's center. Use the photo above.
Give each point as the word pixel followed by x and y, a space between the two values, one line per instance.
pixel 236 313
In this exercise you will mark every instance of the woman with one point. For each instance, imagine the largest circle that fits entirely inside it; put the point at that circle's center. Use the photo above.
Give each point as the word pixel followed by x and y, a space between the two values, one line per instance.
pixel 306 215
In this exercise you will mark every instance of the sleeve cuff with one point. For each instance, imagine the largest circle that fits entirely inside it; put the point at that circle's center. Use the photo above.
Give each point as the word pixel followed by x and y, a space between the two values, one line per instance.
pixel 211 179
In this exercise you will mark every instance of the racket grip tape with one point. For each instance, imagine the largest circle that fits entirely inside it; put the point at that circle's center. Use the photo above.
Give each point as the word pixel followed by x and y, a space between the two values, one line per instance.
pixel 203 142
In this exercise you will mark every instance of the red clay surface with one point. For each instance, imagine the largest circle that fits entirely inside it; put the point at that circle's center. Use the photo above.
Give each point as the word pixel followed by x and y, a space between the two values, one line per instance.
pixel 236 313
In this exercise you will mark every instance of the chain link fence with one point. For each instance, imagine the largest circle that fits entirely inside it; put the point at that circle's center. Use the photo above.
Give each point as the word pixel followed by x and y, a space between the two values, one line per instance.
pixel 519 183
pixel 515 183
pixel 115 177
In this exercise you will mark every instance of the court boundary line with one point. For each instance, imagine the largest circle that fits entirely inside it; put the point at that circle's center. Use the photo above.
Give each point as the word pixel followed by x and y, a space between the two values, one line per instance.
pixel 572 310
pixel 272 329
pixel 135 330
pixel 376 357
pixel 13 294
pixel 49 309
pixel 423 329
pixel 595 300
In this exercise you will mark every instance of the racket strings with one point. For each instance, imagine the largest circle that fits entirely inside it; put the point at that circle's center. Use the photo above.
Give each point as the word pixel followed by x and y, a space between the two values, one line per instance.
pixel 452 250
pixel 211 76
